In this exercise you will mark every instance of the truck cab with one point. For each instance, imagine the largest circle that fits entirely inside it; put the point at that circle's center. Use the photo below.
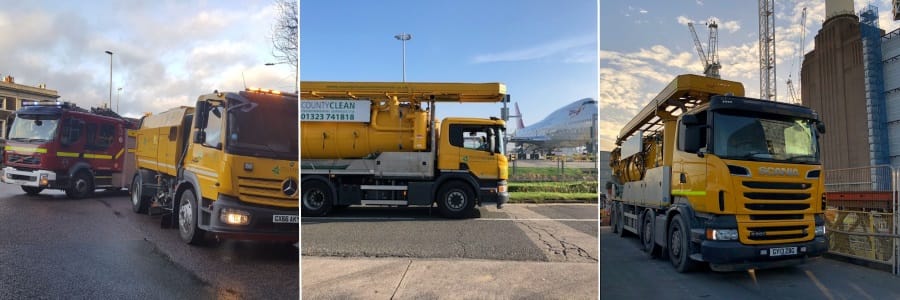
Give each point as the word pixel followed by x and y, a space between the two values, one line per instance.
pixel 56 145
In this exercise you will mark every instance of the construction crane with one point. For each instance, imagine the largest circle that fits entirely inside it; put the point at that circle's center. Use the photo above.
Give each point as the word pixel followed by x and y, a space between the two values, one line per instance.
pixel 767 81
pixel 710 58
pixel 790 84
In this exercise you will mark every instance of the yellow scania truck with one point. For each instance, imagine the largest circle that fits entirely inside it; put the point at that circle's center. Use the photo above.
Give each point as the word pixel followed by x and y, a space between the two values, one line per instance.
pixel 227 166
pixel 378 143
pixel 705 175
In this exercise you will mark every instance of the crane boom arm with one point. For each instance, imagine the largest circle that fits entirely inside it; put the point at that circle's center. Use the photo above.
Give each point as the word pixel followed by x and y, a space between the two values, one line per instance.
pixel 698 46
pixel 406 91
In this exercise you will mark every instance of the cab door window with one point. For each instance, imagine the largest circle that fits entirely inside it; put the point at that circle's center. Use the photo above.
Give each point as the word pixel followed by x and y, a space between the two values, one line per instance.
pixel 214 128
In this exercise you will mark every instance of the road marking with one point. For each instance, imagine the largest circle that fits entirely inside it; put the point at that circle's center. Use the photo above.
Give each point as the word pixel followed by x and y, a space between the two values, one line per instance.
pixel 412 219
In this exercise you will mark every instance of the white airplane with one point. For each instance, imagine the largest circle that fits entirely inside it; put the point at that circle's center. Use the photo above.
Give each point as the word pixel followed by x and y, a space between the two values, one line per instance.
pixel 568 127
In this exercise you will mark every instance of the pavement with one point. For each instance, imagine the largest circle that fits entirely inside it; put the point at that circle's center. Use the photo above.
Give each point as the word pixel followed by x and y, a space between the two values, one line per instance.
pixel 546 251
pixel 398 278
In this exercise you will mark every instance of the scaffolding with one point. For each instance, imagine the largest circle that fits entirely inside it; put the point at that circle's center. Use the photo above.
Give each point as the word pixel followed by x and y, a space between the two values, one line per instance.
pixel 874 86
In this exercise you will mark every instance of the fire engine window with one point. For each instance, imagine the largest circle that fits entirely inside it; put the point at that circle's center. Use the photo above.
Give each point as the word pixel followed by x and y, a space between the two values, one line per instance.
pixel 214 128
pixel 90 130
pixel 105 136
pixel 71 132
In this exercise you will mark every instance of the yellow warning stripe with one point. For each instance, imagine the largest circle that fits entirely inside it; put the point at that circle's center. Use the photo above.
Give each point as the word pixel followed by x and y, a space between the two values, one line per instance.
pixel 120 153
pixel 66 154
pixel 86 155
pixel 26 149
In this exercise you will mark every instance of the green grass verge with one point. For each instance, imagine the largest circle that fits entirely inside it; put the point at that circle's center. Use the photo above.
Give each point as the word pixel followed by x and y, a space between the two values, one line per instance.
pixel 541 197
pixel 545 171
pixel 554 187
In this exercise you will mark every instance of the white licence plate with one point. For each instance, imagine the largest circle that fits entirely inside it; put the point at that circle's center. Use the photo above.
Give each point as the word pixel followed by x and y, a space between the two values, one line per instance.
pixel 782 251
pixel 287 219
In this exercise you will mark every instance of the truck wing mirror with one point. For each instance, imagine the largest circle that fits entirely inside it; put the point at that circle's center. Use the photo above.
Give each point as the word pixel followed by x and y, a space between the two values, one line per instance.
pixel 202 114
pixel 820 127
pixel 690 120
pixel 199 137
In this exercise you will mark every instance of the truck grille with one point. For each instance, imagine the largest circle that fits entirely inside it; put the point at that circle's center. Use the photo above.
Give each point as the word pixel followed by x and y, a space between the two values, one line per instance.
pixel 776 233
pixel 23 159
pixel 776 212
pixel 266 192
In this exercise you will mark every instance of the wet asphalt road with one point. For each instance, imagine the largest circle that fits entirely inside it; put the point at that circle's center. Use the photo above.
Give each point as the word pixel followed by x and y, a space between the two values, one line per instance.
pixel 628 273
pixel 52 247
pixel 414 233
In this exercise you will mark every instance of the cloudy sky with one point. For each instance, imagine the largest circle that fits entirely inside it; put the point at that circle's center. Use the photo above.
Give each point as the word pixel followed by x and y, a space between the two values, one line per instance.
pixel 644 44
pixel 544 51
pixel 166 53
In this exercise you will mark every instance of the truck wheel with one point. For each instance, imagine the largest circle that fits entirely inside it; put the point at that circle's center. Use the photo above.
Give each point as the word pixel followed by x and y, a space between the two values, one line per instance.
pixel 139 203
pixel 680 245
pixel 647 238
pixel 317 198
pixel 187 219
pixel 81 186
pixel 456 200
pixel 32 190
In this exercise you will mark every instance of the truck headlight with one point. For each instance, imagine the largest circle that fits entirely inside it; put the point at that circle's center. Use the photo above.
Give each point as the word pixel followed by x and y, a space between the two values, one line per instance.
pixel 234 216
pixel 44 180
pixel 721 234
pixel 820 230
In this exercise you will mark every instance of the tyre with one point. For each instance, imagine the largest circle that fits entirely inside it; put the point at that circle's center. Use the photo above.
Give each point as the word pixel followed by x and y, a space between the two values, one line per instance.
pixel 139 202
pixel 680 245
pixel 456 200
pixel 647 238
pixel 32 190
pixel 80 186
pixel 187 219
pixel 317 198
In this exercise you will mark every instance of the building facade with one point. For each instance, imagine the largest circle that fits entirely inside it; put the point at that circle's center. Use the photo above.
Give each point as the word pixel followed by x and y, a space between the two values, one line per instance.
pixel 13 94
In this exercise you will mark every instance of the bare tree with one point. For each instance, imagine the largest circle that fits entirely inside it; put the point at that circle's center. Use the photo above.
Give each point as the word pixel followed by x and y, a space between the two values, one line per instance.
pixel 285 33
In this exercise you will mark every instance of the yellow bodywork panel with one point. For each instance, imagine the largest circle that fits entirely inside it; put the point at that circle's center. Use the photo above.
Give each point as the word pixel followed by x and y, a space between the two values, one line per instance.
pixel 158 144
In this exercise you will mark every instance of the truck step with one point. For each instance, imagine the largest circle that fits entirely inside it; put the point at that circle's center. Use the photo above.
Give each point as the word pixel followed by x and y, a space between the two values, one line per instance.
pixel 383 187
pixel 384 202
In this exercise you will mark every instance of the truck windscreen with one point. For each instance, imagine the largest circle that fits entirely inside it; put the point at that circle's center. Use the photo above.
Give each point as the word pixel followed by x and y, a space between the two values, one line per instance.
pixel 744 137
pixel 263 126
pixel 33 128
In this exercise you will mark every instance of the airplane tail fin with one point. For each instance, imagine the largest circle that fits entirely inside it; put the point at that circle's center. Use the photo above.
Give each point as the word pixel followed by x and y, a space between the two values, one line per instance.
pixel 520 124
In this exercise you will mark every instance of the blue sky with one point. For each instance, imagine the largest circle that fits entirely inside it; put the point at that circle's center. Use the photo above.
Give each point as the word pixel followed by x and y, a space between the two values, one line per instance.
pixel 645 44
pixel 544 51
pixel 166 53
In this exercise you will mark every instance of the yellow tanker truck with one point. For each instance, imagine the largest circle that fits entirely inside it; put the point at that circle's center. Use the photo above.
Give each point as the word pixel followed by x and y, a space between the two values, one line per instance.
pixel 227 166
pixel 378 143
pixel 706 175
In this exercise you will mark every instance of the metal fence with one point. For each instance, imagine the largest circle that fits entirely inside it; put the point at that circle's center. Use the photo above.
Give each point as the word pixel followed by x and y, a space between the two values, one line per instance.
pixel 861 215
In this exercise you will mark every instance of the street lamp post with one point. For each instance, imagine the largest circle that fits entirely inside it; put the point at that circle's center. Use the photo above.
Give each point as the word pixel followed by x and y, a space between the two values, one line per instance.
pixel 118 97
pixel 403 37
pixel 110 77
pixel 296 75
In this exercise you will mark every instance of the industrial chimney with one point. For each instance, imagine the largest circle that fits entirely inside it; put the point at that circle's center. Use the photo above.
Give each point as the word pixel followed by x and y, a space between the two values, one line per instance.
pixel 838 7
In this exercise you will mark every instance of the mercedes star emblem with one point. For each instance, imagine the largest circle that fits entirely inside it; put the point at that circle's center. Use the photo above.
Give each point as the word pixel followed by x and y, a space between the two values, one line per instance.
pixel 289 187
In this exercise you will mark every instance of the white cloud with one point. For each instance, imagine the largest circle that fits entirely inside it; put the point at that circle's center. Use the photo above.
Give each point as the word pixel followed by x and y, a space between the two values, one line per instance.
pixel 700 2
pixel 684 20
pixel 643 11
pixel 165 54
pixel 565 47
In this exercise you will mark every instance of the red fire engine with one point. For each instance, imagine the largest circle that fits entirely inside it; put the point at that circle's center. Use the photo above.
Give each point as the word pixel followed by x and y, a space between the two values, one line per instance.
pixel 57 145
